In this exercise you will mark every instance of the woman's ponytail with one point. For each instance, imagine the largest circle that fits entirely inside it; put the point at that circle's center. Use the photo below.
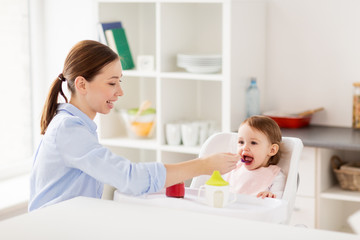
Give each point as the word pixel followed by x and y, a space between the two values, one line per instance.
pixel 51 102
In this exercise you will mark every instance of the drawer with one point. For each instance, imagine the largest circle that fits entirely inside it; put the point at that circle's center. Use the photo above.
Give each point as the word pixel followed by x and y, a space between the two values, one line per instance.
pixel 307 169
pixel 304 212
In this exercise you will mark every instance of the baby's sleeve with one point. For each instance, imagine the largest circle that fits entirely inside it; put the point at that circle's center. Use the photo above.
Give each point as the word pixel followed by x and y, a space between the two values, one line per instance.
pixel 278 185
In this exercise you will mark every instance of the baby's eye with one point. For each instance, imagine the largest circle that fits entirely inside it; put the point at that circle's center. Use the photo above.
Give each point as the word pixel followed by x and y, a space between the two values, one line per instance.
pixel 241 142
pixel 253 143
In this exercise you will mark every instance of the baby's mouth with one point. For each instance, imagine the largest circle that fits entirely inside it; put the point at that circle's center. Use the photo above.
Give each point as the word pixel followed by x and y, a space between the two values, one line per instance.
pixel 246 159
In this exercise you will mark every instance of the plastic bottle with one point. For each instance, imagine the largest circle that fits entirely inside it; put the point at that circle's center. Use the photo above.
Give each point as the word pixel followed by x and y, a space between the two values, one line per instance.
pixel 252 99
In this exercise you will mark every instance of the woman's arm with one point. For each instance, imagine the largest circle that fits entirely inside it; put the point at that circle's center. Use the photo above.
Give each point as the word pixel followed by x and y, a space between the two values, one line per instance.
pixel 179 172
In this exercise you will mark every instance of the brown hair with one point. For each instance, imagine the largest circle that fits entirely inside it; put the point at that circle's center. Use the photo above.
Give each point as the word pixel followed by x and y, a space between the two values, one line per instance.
pixel 271 129
pixel 85 59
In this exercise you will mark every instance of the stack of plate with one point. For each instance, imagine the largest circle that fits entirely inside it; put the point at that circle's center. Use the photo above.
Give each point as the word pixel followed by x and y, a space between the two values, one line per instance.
pixel 199 63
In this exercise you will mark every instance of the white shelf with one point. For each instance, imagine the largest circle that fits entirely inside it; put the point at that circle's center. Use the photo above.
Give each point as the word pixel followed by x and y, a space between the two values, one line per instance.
pixel 135 73
pixel 174 75
pixel 337 193
pixel 181 148
pixel 149 144
pixel 193 76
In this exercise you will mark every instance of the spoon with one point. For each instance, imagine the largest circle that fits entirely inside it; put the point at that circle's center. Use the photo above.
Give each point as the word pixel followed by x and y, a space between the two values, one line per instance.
pixel 309 112
pixel 143 106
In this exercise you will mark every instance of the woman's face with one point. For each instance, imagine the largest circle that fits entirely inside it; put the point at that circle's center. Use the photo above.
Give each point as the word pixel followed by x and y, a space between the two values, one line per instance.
pixel 254 147
pixel 104 90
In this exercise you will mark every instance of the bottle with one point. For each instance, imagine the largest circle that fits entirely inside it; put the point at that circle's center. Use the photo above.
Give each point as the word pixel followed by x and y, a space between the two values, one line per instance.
pixel 356 106
pixel 252 99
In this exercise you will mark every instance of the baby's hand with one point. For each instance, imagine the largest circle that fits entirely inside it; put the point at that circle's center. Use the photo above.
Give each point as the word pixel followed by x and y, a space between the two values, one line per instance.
pixel 266 194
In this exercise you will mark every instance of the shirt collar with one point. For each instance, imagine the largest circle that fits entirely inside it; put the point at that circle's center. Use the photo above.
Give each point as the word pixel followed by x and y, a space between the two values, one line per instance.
pixel 72 110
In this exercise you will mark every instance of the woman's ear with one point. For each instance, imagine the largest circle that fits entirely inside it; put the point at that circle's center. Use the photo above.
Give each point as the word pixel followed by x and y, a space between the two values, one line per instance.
pixel 274 149
pixel 80 84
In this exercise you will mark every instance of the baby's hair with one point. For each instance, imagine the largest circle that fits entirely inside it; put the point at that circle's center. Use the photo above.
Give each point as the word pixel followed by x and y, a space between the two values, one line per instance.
pixel 272 131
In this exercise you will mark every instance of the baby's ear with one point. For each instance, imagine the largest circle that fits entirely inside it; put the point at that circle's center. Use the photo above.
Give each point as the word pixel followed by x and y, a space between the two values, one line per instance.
pixel 274 149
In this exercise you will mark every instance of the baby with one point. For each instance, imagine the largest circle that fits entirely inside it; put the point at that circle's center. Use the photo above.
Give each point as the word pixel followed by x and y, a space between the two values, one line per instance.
pixel 257 174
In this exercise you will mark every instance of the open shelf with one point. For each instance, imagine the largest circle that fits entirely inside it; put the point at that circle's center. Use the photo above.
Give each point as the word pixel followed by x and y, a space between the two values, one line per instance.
pixel 192 76
pixel 181 148
pixel 337 193
pixel 130 143
pixel 136 73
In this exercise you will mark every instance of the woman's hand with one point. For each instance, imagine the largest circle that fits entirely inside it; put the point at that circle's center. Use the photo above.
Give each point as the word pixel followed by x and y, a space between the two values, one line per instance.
pixel 266 194
pixel 179 172
pixel 222 162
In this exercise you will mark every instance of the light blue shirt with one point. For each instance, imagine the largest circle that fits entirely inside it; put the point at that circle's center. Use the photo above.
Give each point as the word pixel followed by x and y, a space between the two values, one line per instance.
pixel 71 162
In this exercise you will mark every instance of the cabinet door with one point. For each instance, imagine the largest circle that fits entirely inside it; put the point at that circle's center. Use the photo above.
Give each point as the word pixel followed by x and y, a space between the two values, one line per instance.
pixel 307 169
pixel 304 212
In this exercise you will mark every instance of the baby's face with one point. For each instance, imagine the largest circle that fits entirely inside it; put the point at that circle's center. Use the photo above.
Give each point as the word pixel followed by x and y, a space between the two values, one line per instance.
pixel 254 147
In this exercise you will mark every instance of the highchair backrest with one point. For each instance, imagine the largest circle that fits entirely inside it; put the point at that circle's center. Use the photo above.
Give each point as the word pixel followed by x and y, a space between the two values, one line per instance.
pixel 291 149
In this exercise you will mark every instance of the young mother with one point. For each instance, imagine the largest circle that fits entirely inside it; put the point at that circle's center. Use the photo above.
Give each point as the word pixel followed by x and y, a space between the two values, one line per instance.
pixel 69 160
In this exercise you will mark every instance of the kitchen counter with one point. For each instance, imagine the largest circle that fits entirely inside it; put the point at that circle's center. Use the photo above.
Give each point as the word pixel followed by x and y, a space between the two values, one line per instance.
pixel 89 218
pixel 339 138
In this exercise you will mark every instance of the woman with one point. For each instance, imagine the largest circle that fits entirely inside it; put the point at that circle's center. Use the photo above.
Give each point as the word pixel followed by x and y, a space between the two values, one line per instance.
pixel 70 162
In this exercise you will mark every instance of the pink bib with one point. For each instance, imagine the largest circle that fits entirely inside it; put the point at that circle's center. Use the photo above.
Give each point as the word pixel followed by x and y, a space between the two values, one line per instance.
pixel 252 182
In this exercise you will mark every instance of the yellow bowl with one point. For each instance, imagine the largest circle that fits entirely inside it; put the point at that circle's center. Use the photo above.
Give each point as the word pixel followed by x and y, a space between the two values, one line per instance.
pixel 141 126
pixel 142 129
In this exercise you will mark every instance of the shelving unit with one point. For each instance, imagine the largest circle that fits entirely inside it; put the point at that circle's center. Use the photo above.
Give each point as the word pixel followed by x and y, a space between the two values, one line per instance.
pixel 236 30
pixel 335 205
pixel 320 202
pixel 233 29
pixel 336 193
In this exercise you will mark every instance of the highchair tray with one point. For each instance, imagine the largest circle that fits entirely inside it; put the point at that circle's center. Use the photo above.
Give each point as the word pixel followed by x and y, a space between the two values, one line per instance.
pixel 245 206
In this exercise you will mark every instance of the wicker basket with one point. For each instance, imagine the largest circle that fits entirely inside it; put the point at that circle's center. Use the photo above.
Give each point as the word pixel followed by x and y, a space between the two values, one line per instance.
pixel 348 174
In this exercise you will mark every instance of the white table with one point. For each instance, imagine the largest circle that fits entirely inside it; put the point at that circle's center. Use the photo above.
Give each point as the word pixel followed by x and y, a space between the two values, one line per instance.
pixel 88 218
pixel 248 207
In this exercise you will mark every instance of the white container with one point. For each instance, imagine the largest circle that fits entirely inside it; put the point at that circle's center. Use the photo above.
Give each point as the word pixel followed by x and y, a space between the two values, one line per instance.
pixel 190 133
pixel 173 133
pixel 217 196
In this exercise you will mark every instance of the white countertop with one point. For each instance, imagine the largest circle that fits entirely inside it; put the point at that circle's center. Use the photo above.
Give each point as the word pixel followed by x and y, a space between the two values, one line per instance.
pixel 88 218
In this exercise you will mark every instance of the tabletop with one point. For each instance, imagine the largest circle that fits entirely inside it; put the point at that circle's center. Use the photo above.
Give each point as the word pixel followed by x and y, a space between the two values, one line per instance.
pixel 89 218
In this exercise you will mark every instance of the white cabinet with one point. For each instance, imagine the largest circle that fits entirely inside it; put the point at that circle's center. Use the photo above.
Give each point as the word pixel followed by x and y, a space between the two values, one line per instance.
pixel 233 29
pixel 335 205
pixel 304 208
pixel 320 202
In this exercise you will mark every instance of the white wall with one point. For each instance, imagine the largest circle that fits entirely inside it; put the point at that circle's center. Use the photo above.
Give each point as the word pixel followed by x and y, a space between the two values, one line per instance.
pixel 313 57
pixel 56 27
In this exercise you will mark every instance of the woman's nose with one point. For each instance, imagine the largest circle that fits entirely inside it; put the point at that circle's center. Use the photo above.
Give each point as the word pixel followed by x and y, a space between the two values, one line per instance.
pixel 119 91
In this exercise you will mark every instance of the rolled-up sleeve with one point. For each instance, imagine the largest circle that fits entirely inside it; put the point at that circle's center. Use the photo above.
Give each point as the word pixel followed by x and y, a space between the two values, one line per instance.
pixel 80 149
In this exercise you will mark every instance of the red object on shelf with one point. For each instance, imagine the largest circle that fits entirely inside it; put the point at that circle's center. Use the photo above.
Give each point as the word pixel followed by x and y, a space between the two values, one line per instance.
pixel 291 122
pixel 177 190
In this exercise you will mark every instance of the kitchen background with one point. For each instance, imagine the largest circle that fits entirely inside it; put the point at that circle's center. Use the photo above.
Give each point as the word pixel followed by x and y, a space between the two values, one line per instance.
pixel 310 46
pixel 312 52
